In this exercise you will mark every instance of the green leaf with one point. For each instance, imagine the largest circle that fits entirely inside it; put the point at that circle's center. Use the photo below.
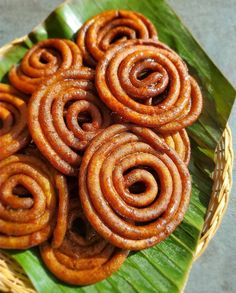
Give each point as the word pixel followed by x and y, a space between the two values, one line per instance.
pixel 163 268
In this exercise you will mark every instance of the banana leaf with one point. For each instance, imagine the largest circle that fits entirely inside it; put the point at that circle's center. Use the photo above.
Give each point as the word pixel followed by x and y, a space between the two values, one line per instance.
pixel 165 267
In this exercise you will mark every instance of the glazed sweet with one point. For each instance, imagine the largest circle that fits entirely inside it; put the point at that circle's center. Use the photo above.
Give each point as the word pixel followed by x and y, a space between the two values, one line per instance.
pixel 30 191
pixel 133 188
pixel 84 257
pixel 147 83
pixel 65 113
pixel 103 30
pixel 100 152
pixel 42 60
pixel 179 141
pixel 14 134
pixel 189 114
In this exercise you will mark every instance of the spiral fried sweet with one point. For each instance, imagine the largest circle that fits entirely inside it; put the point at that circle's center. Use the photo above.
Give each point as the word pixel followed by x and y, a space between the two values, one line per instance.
pixel 84 257
pixel 133 188
pixel 42 60
pixel 33 202
pixel 64 115
pixel 147 83
pixel 179 141
pixel 114 26
pixel 14 133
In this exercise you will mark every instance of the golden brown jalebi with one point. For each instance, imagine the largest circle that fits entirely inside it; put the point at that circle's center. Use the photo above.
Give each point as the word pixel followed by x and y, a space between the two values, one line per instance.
pixel 84 257
pixel 14 133
pixel 114 26
pixel 179 141
pixel 64 115
pixel 133 188
pixel 33 203
pixel 147 83
pixel 42 60
pixel 118 131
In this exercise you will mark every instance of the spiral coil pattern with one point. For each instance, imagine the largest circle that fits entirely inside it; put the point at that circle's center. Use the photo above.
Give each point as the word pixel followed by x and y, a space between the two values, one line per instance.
pixel 179 141
pixel 84 257
pixel 147 83
pixel 64 115
pixel 42 60
pixel 100 32
pixel 117 132
pixel 28 202
pixel 14 133
pixel 133 188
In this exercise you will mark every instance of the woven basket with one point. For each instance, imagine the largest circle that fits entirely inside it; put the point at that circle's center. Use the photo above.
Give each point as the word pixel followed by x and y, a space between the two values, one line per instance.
pixel 13 278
